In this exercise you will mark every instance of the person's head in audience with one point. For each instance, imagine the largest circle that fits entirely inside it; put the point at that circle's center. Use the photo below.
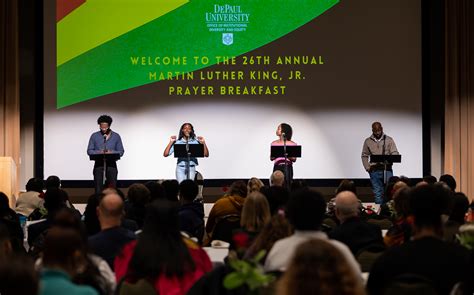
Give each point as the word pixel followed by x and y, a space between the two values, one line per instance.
pixel 54 199
pixel 297 184
pixel 405 179
pixel 238 188
pixel 306 210
pixel 108 190
pixel 347 206
pixel 18 276
pixel 52 182
pixel 276 229
pixel 91 221
pixel 110 211
pixel 63 250
pixel 430 179
pixel 277 178
pixel 5 243
pixel 35 185
pixel 387 196
pixel 449 180
pixel 138 194
pixel 346 185
pixel 160 247
pixel 188 190
pixel 157 191
pixel 86 271
pixel 4 204
pixel 255 213
pixel 171 189
pixel 277 197
pixel 426 203
pixel 318 267
pixel 398 185
pixel 460 206
pixel 401 202
pixel 254 185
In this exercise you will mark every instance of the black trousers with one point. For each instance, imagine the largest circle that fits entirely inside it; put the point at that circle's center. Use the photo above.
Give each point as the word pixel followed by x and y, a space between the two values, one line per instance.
pixel 110 176
pixel 289 177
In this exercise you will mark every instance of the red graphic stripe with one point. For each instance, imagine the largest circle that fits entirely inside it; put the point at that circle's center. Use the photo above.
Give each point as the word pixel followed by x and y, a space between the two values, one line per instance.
pixel 65 7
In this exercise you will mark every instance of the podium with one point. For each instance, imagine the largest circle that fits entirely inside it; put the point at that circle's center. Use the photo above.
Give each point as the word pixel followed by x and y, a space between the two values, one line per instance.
pixel 8 179
pixel 188 151
pixel 385 160
pixel 104 157
pixel 285 151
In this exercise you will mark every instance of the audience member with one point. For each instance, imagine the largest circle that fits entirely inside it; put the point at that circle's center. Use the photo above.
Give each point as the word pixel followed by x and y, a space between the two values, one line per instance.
pixel 277 197
pixel 54 199
pixel 52 182
pixel 449 181
pixel 306 210
pixel 388 209
pixel 460 206
pixel 277 179
pixel 277 229
pixel 157 191
pixel 112 237
pixel 319 267
pixel 401 230
pixel 344 185
pixel 92 270
pixel 255 214
pixel 230 204
pixel 17 275
pixel 138 197
pixel 430 179
pixel 53 202
pixel 352 231
pixel 297 184
pixel 11 221
pixel 254 185
pixel 62 258
pixel 32 199
pixel 171 188
pixel 5 243
pixel 426 255
pixel 191 213
pixel 161 255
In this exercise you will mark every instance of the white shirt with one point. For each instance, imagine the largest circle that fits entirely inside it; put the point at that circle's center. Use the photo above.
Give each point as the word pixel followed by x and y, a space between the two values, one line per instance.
pixel 283 250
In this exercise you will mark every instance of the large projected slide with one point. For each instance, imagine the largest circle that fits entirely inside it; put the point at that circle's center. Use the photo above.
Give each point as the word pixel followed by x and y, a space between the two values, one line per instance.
pixel 235 70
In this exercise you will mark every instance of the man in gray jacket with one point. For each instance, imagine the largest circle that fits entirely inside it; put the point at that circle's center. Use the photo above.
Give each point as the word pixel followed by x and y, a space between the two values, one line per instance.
pixel 378 144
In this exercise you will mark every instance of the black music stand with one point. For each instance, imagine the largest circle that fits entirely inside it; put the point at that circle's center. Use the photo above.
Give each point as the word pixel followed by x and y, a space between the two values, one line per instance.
pixel 285 151
pixel 385 160
pixel 104 157
pixel 188 151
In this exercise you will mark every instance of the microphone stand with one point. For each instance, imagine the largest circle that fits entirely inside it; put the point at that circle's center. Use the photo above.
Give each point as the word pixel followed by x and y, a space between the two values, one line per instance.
pixel 188 159
pixel 105 161
pixel 287 178
pixel 384 163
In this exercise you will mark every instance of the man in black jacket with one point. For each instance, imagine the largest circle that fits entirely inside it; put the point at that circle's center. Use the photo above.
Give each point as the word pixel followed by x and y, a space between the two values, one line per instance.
pixel 354 232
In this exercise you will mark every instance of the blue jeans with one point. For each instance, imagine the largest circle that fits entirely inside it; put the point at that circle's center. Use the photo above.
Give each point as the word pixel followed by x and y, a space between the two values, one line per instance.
pixel 182 173
pixel 376 178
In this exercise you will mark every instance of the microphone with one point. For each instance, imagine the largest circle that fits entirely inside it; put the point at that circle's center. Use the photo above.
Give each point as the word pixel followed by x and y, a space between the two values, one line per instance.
pixel 283 134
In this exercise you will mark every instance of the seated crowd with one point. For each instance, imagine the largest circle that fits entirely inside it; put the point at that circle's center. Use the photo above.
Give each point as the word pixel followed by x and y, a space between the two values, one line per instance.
pixel 282 240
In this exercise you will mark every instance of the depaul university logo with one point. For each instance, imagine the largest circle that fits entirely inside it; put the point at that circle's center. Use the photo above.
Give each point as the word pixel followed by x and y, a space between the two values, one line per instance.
pixel 227 38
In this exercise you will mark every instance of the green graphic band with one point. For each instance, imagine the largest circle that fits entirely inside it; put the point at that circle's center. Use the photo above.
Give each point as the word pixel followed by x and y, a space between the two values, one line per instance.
pixel 102 44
